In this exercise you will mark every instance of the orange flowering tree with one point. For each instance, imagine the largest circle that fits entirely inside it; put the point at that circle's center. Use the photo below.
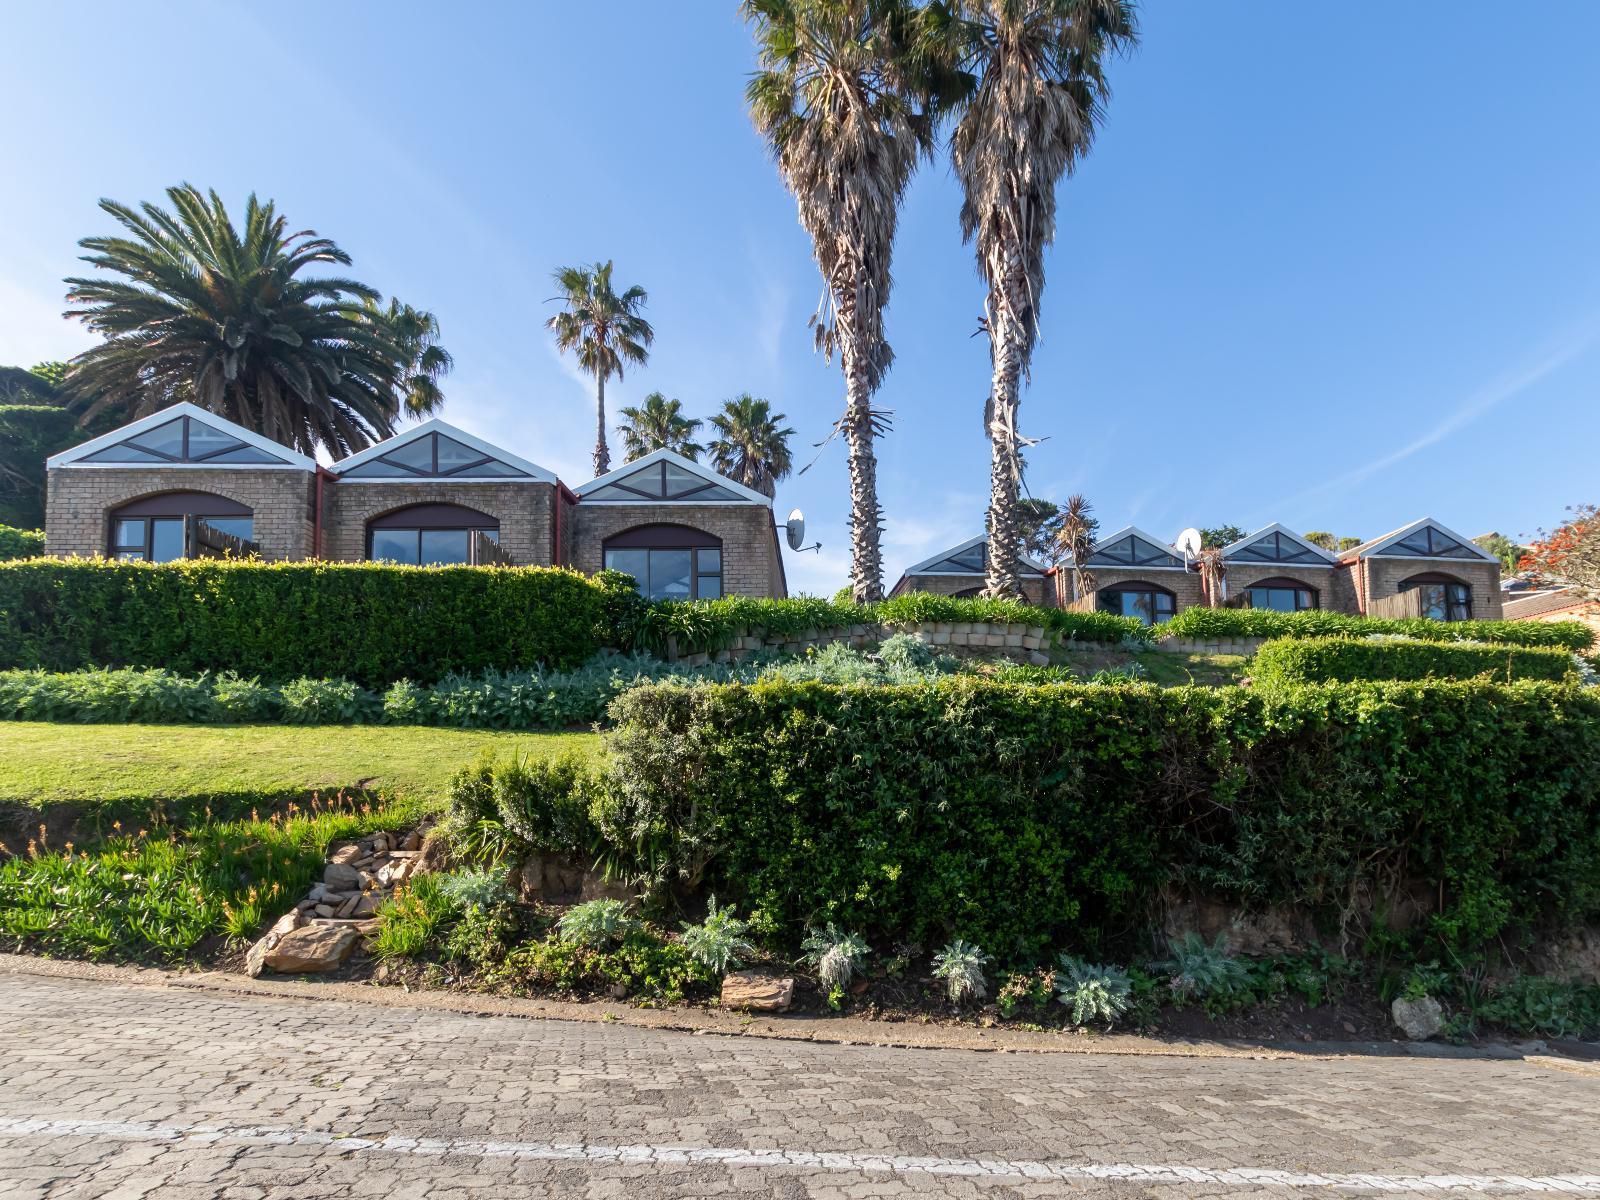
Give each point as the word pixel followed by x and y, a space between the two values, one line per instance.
pixel 1571 552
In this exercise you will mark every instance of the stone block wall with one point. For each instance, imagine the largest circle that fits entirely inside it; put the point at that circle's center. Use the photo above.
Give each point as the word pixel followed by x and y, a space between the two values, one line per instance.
pixel 523 510
pixel 749 542
pixel 976 639
pixel 79 500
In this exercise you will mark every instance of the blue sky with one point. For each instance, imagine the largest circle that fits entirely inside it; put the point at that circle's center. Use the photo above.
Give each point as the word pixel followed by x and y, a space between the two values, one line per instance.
pixel 1332 265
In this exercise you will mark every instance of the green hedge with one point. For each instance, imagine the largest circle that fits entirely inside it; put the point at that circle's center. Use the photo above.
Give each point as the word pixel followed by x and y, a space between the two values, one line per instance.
pixel 712 624
pixel 1025 816
pixel 20 543
pixel 1213 623
pixel 1320 660
pixel 365 622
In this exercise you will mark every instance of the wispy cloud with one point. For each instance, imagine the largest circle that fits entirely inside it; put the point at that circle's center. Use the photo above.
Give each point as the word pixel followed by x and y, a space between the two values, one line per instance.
pixel 1570 344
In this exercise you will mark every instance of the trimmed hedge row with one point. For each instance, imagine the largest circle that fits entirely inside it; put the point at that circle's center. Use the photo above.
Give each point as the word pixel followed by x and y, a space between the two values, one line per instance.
pixel 712 624
pixel 367 622
pixel 1027 816
pixel 1320 660
pixel 20 543
pixel 1216 623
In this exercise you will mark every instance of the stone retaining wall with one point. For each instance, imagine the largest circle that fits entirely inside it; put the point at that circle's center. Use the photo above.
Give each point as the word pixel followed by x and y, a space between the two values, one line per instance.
pixel 976 639
pixel 1246 646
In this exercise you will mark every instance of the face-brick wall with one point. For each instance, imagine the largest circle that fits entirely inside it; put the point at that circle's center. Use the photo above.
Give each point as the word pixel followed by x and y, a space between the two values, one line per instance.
pixel 523 509
pixel 1185 585
pixel 1321 581
pixel 749 545
pixel 1384 576
pixel 79 500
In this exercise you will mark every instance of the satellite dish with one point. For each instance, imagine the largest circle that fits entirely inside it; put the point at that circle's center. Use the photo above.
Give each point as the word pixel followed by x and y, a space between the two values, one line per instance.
pixel 1189 542
pixel 797 529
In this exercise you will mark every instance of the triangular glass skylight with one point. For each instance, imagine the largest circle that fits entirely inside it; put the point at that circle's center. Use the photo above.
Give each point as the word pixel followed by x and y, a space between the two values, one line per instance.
pixel 434 456
pixel 1133 551
pixel 183 439
pixel 1430 542
pixel 1278 547
pixel 974 560
pixel 663 481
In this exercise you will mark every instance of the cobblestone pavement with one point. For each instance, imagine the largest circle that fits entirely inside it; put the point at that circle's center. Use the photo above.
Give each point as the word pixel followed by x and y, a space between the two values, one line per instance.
pixel 118 1090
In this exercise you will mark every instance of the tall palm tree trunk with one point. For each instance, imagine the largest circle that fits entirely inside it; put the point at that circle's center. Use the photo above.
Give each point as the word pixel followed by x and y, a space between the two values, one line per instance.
pixel 1007 307
pixel 602 452
pixel 866 518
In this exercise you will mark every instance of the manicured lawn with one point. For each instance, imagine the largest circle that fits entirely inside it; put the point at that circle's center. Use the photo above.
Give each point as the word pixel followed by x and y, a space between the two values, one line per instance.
pixel 43 764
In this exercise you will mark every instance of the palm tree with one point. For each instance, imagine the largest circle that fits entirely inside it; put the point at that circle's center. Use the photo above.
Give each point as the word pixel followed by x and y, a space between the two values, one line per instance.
pixel 846 108
pixel 750 446
pixel 605 330
pixel 200 310
pixel 1076 540
pixel 417 334
pixel 658 424
pixel 1035 87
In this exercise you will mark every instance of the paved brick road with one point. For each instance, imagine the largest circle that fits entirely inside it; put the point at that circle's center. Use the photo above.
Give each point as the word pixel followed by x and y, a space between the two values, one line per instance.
pixel 111 1089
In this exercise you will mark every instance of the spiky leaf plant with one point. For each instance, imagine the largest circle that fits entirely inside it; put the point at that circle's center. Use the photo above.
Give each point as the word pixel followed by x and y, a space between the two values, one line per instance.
pixel 960 965
pixel 1092 992
pixel 719 942
pixel 835 955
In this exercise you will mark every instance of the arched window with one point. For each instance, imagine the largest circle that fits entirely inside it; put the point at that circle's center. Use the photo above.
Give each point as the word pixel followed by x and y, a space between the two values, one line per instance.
pixel 669 562
pixel 159 529
pixel 1444 597
pixel 430 535
pixel 1280 595
pixel 1146 601
pixel 967 593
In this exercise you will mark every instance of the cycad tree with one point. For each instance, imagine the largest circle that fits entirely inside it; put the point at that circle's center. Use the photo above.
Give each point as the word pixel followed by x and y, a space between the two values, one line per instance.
pixel 606 330
pixel 658 424
pixel 192 307
pixel 843 103
pixel 752 444
pixel 1034 93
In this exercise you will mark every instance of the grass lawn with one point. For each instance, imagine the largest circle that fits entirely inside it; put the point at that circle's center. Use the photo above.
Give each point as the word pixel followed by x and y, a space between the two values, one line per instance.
pixel 1203 670
pixel 45 763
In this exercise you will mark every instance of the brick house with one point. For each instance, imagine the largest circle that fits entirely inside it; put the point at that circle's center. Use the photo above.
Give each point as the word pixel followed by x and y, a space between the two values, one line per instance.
pixel 960 571
pixel 183 482
pixel 1421 569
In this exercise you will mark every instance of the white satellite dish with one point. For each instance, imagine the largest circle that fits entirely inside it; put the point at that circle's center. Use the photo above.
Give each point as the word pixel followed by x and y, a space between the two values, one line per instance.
pixel 796 529
pixel 1189 542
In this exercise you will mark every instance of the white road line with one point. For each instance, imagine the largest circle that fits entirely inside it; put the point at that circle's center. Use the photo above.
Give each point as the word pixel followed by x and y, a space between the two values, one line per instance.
pixel 897 1164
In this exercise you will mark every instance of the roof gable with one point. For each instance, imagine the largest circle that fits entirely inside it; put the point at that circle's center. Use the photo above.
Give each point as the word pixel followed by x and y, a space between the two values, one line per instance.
pixel 1131 547
pixel 1425 538
pixel 1275 544
pixel 666 477
pixel 184 435
pixel 437 450
pixel 971 557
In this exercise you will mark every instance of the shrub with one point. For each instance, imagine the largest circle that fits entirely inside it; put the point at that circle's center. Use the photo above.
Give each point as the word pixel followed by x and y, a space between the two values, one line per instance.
pixel 1092 992
pixel 1318 660
pixel 542 803
pixel 474 888
pixel 1199 970
pixel 410 919
pixel 1025 815
pixel 641 963
pixel 1203 623
pixel 20 543
pixel 368 622
pixel 327 702
pixel 596 924
pixel 718 943
pixel 960 965
pixel 835 955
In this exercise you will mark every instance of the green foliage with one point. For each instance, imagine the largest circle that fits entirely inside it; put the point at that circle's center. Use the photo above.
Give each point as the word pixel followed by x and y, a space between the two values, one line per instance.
pixel 1319 660
pixel 327 702
pixel 1198 970
pixel 596 924
pixel 474 888
pixel 834 954
pixel 31 430
pixel 1092 992
pixel 1024 815
pixel 960 965
pixel 367 622
pixel 1203 623
pixel 1532 1005
pixel 411 919
pixel 538 804
pixel 156 895
pixel 20 543
pixel 1498 544
pixel 643 963
pixel 718 943
pixel 1222 535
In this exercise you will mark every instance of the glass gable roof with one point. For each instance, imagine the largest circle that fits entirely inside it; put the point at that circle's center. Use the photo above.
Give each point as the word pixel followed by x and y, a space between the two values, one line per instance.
pixel 1133 551
pixel 1276 547
pixel 663 481
pixel 974 560
pixel 1430 542
pixel 183 439
pixel 434 456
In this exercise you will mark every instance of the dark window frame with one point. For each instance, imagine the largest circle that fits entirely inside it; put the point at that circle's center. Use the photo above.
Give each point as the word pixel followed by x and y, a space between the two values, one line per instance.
pixel 181 506
pixel 1137 587
pixel 1456 597
pixel 1282 583
pixel 670 538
